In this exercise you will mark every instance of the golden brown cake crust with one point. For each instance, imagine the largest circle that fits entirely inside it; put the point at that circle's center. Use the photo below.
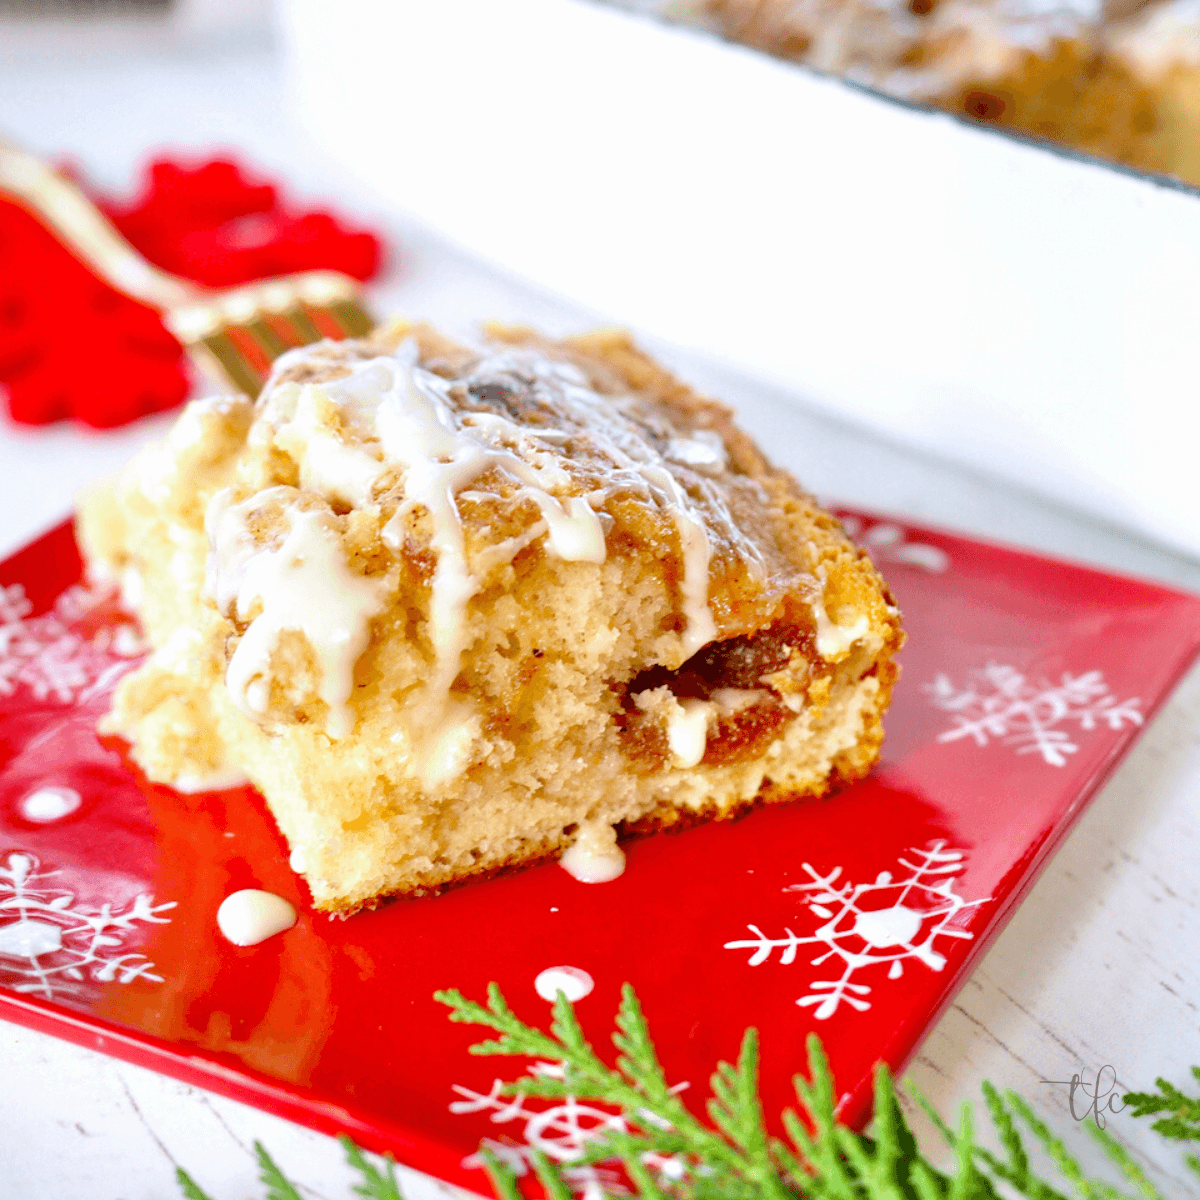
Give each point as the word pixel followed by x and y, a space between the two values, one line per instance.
pixel 453 608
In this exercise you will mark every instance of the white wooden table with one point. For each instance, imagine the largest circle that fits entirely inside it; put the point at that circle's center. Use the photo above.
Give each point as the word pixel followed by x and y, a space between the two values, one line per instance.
pixel 1101 965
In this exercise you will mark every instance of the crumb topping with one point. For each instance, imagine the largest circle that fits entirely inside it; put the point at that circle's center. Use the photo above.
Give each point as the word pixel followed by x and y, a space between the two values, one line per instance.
pixel 461 463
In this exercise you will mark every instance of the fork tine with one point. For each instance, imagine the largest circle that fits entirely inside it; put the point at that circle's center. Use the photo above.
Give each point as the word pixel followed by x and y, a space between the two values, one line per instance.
pixel 354 318
pixel 255 354
pixel 262 330
pixel 324 321
pixel 232 362
pixel 302 326
pixel 292 331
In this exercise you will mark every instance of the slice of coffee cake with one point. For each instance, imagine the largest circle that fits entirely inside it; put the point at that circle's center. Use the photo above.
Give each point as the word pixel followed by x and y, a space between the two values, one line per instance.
pixel 454 609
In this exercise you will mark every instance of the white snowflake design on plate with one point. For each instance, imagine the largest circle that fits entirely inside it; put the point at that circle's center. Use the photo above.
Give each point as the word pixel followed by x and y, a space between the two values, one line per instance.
pixel 866 925
pixel 887 542
pixel 561 1129
pixel 52 660
pixel 1003 703
pixel 49 945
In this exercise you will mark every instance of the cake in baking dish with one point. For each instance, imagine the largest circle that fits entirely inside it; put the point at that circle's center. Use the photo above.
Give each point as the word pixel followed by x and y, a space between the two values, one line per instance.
pixel 452 609
pixel 1159 45
pixel 1115 78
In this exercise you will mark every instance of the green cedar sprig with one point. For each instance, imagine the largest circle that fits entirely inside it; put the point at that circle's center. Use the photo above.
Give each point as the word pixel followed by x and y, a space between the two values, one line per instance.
pixel 734 1157
pixel 189 1187
pixel 278 1188
pixel 374 1184
pixel 1182 1122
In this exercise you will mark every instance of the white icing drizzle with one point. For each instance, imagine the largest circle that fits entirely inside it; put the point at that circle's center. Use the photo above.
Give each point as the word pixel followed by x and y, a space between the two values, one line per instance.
pixel 446 750
pixel 486 440
pixel 834 640
pixel 327 463
pixel 574 532
pixel 594 856
pixel 416 428
pixel 687 730
pixel 219 779
pixel 962 41
pixel 251 916
pixel 700 628
pixel 704 448
pixel 872 42
pixel 305 585
pixel 157 467
pixel 1029 24
pixel 180 651
pixel 133 588
pixel 730 701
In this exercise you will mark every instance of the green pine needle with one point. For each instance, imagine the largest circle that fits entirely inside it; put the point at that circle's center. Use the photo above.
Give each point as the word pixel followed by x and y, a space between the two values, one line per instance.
pixel 1193 1162
pixel 278 1187
pixel 887 1126
pixel 1183 1122
pixel 550 1176
pixel 1067 1164
pixel 736 1111
pixel 638 1059
pixel 735 1158
pixel 927 1184
pixel 503 1177
pixel 376 1184
pixel 645 1183
pixel 1016 1170
pixel 826 1170
pixel 932 1113
pixel 1129 1167
pixel 189 1187
pixel 967 1183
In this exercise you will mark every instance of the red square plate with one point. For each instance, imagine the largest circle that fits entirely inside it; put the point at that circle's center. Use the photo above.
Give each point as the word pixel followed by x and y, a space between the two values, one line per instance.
pixel 1025 681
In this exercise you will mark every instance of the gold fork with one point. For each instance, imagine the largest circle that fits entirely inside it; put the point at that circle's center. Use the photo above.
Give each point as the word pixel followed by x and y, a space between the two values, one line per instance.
pixel 237 331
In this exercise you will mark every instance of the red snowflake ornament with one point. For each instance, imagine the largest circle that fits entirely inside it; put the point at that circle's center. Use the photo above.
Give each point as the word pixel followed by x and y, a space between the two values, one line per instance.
pixel 219 226
pixel 70 345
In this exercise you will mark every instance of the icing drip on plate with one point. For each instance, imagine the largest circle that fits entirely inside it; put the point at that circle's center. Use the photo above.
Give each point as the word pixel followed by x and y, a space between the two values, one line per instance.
pixel 250 916
pixel 594 856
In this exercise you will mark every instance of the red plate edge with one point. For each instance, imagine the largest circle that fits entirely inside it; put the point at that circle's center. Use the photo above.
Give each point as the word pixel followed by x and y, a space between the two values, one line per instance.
pixel 856 1110
pixel 240 1083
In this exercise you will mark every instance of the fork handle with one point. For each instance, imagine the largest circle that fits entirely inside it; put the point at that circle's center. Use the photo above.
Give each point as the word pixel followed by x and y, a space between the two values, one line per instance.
pixel 87 232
